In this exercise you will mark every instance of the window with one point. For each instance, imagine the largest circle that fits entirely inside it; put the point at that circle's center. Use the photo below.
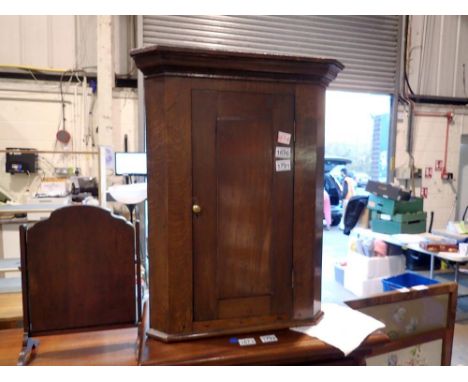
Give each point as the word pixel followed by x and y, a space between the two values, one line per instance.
pixel 357 128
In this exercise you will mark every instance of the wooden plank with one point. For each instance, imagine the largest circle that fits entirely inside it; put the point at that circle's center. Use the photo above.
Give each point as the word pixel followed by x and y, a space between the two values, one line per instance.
pixel 212 63
pixel 451 316
pixel 244 159
pixel 170 203
pixel 117 347
pixel 158 204
pixel 114 347
pixel 283 210
pixel 205 241
pixel 177 104
pixel 244 307
pixel 11 312
pixel 10 346
pixel 396 296
pixel 72 286
pixel 24 278
pixel 308 200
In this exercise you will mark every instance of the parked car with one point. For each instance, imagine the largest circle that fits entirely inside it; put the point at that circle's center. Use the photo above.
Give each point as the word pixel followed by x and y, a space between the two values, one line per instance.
pixel 332 185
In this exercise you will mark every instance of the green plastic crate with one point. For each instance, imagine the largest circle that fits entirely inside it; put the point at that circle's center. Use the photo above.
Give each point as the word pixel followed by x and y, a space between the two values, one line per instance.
pixel 400 218
pixel 392 207
pixel 394 227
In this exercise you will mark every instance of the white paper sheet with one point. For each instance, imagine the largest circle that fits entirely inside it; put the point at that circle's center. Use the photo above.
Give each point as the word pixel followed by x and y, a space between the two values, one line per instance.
pixel 342 327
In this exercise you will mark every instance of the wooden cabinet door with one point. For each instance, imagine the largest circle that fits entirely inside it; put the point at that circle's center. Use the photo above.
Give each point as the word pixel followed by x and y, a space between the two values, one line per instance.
pixel 242 237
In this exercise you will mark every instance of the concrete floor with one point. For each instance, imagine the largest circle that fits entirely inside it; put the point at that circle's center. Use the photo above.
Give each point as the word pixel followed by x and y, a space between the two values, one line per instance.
pixel 460 344
pixel 335 247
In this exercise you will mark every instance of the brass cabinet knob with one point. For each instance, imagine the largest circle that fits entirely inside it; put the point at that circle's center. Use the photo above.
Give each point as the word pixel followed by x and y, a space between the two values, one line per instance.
pixel 196 209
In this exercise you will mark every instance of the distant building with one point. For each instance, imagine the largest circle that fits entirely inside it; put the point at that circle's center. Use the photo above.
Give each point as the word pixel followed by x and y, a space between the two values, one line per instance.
pixel 379 153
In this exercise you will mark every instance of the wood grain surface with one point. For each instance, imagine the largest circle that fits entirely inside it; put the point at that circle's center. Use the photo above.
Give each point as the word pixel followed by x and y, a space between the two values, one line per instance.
pixel 251 255
pixel 292 348
pixel 79 271
pixel 118 347
pixel 11 312
pixel 94 348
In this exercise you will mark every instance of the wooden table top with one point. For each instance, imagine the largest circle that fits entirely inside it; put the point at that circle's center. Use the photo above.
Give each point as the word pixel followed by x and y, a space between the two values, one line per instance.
pixel 291 348
pixel 117 347
pixel 104 347
pixel 11 310
pixel 10 346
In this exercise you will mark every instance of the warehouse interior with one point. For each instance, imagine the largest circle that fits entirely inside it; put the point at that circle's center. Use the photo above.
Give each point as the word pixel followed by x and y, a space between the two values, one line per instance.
pixel 118 124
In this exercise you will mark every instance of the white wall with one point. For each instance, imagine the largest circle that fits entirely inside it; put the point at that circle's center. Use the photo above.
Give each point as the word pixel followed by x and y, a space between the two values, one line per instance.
pixel 428 147
pixel 31 111
pixel 463 176
pixel 62 42
pixel 31 114
pixel 436 59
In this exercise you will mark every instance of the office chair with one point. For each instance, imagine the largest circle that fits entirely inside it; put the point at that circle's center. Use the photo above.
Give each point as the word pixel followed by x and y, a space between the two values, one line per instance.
pixel 80 271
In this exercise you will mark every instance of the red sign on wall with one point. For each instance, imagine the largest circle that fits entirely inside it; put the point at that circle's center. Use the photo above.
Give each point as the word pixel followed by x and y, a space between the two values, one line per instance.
pixel 439 165
pixel 428 172
pixel 424 192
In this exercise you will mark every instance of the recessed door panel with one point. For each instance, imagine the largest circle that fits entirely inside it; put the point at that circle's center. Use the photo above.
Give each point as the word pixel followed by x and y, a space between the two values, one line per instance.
pixel 242 227
pixel 244 198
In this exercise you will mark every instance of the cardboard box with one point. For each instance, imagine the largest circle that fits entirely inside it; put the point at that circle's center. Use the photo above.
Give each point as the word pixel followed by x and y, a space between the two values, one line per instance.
pixel 370 267
pixel 387 191
pixel 360 287
pixel 339 273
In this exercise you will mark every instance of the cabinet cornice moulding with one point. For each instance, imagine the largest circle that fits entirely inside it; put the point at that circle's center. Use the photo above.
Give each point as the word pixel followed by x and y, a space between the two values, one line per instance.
pixel 182 61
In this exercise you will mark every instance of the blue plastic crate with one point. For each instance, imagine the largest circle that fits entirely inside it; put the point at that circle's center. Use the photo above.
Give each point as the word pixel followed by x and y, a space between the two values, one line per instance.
pixel 406 280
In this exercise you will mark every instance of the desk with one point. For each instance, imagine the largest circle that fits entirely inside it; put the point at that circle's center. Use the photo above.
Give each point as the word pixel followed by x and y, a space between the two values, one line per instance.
pixel 454 258
pixel 117 347
pixel 114 347
pixel 42 206
pixel 411 241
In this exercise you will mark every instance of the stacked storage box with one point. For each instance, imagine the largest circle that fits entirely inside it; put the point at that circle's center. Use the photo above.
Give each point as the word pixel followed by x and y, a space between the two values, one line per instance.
pixel 369 261
pixel 391 214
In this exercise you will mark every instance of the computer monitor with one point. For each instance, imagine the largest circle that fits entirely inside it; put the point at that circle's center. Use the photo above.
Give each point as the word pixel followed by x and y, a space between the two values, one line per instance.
pixel 130 163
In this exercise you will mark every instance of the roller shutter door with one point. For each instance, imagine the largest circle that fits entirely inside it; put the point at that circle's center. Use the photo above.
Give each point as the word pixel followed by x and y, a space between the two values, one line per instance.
pixel 368 46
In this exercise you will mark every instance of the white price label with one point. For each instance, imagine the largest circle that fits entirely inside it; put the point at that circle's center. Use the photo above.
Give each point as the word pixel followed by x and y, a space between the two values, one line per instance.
pixel 269 338
pixel 284 138
pixel 386 217
pixel 283 165
pixel 283 152
pixel 247 341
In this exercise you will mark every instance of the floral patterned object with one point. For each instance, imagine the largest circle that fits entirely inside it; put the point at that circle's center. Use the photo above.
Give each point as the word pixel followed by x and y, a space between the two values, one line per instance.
pixel 406 318
pixel 425 354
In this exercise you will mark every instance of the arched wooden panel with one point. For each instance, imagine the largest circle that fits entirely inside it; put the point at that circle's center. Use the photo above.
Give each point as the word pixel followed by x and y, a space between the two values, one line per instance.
pixel 79 268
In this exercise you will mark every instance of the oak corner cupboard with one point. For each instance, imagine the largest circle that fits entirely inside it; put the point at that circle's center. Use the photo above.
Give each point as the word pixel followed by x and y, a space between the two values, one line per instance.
pixel 235 145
